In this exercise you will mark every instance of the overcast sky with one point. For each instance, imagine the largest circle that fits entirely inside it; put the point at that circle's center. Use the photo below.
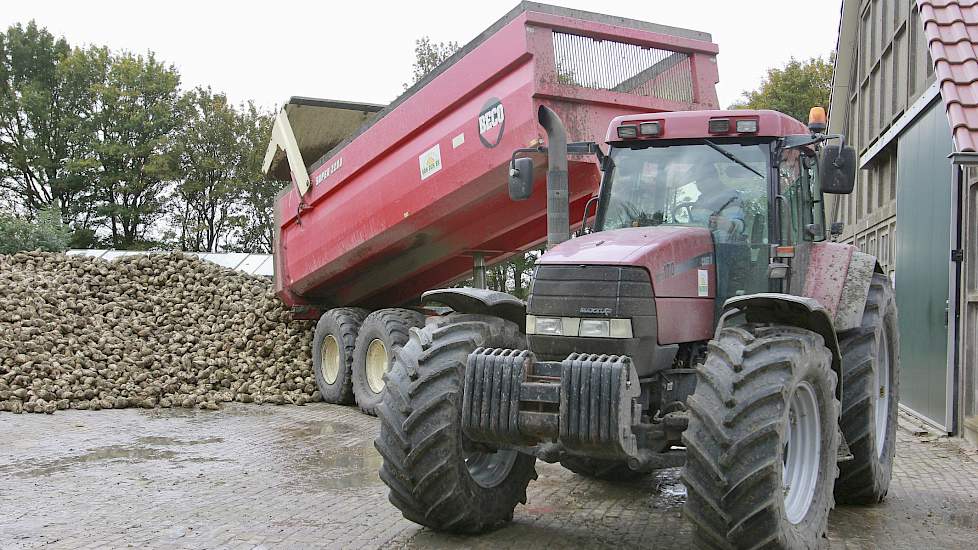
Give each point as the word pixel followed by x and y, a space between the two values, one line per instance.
pixel 363 50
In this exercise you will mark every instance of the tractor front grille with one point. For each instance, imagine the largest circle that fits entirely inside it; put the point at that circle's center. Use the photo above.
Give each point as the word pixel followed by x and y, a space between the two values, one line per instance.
pixel 622 292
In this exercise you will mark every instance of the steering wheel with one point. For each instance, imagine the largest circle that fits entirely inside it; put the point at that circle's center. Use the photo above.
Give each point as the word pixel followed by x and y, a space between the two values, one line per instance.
pixel 683 212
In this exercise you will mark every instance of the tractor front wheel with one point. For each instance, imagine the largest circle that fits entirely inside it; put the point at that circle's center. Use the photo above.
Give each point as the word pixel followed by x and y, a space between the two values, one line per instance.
pixel 762 440
pixel 436 478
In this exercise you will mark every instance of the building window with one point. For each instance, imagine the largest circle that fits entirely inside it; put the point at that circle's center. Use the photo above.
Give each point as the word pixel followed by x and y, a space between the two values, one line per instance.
pixel 893 175
pixel 883 179
pixel 870 183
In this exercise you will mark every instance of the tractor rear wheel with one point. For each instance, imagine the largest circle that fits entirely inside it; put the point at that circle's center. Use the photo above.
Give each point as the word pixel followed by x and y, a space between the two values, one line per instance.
pixel 870 391
pixel 608 470
pixel 436 478
pixel 332 352
pixel 381 333
pixel 762 440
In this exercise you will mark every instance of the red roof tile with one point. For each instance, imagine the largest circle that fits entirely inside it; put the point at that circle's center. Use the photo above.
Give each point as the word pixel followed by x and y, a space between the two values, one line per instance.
pixel 951 27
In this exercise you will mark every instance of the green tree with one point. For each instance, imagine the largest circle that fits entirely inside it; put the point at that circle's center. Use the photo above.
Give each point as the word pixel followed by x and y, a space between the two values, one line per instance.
pixel 46 93
pixel 256 224
pixel 44 232
pixel 134 127
pixel 211 153
pixel 793 89
pixel 428 55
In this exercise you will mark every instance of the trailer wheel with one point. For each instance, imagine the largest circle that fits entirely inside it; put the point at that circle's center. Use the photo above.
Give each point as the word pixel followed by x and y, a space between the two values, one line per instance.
pixel 762 440
pixel 381 333
pixel 332 352
pixel 435 477
pixel 608 470
pixel 870 391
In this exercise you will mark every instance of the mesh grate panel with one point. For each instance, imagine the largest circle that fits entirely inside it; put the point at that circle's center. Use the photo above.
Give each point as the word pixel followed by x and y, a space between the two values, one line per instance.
pixel 625 68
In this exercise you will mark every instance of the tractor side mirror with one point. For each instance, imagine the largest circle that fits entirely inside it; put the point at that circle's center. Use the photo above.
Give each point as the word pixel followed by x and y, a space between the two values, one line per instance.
pixel 837 169
pixel 521 179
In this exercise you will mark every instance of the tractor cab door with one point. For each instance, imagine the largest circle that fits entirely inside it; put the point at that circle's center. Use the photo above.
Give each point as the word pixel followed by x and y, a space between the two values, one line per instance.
pixel 800 208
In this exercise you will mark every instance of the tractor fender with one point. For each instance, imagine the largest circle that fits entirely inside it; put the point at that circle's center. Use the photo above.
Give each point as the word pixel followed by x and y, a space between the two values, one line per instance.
pixel 838 276
pixel 481 302
pixel 785 309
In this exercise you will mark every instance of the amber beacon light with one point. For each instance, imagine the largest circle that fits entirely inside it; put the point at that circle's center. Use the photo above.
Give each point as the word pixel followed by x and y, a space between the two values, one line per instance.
pixel 816 119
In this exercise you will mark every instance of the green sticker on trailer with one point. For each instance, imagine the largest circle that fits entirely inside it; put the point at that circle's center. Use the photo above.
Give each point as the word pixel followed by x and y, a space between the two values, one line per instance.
pixel 430 162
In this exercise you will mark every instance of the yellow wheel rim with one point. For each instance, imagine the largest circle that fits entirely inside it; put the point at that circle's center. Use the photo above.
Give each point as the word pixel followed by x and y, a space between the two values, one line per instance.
pixel 330 355
pixel 376 365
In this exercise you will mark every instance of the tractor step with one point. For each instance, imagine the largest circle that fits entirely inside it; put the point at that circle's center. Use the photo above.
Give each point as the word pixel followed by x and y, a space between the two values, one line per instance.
pixel 585 402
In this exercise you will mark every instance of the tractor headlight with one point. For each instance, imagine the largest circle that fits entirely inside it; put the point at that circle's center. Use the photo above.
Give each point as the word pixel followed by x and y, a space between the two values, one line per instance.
pixel 549 325
pixel 595 328
pixel 576 326
pixel 621 328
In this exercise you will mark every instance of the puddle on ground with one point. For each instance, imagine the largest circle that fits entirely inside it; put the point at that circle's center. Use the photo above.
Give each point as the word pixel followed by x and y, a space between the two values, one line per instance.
pixel 323 427
pixel 162 441
pixel 113 452
pixel 341 468
pixel 668 491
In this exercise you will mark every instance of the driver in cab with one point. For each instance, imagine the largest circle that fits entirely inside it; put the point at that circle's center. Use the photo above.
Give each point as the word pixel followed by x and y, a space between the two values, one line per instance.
pixel 718 207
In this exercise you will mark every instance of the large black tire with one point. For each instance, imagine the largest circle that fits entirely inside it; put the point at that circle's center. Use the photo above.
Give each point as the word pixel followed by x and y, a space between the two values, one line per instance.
pixel 341 325
pixel 737 439
pixel 421 437
pixel 608 470
pixel 391 327
pixel 876 343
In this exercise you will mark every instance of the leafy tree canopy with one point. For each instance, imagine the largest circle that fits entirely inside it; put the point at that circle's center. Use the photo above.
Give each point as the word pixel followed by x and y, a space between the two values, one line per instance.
pixel 428 55
pixel 793 89
pixel 45 232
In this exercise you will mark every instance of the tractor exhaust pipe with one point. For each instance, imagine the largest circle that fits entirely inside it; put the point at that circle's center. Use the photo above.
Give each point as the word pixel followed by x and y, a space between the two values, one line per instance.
pixel 558 205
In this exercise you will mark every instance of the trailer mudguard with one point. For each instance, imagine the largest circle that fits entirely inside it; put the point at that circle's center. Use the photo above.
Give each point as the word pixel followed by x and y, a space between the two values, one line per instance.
pixel 798 311
pixel 480 301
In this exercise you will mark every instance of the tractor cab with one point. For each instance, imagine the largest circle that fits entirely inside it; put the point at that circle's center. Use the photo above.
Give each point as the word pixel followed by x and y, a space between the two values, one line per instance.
pixel 754 180
pixel 750 177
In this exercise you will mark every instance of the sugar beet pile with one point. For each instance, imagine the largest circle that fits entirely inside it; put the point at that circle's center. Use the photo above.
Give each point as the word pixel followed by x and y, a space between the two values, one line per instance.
pixel 165 330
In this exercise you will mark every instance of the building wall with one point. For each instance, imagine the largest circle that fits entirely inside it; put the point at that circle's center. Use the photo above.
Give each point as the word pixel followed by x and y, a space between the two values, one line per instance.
pixel 882 67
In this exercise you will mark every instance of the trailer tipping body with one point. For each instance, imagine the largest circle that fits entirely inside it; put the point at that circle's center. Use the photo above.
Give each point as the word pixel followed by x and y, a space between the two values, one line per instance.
pixel 404 202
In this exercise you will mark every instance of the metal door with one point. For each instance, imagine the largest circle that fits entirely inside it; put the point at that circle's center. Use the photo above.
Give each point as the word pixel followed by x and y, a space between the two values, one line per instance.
pixel 923 245
pixel 969 305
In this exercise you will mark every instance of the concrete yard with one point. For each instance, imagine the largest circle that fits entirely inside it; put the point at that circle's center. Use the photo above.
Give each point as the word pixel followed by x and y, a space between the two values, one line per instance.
pixel 284 477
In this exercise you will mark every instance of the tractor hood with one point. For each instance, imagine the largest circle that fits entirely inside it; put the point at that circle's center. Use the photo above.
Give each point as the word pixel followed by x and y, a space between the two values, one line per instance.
pixel 678 259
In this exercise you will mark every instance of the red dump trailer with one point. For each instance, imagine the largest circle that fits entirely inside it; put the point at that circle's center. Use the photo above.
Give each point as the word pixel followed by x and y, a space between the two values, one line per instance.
pixel 404 196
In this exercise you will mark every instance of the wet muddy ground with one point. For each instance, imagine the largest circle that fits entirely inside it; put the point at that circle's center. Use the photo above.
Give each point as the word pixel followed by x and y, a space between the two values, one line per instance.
pixel 265 476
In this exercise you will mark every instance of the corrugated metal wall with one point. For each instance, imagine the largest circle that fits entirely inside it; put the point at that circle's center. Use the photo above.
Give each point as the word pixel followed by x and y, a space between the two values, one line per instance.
pixel 923 244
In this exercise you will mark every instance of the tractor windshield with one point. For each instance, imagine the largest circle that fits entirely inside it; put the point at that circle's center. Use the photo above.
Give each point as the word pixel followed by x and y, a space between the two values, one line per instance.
pixel 715 184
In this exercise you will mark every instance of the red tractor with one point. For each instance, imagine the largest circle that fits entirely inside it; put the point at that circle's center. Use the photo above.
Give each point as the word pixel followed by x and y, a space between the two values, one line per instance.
pixel 701 318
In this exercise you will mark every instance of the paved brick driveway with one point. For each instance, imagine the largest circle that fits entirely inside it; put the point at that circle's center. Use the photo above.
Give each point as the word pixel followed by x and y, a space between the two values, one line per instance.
pixel 287 477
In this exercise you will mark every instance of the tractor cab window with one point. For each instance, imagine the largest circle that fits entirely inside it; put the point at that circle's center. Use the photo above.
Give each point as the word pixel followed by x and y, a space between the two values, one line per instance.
pixel 690 184
pixel 719 184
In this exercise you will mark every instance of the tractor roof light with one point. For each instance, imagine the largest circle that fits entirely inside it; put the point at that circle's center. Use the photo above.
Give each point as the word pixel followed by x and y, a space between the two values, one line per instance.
pixel 747 126
pixel 816 120
pixel 650 128
pixel 628 131
pixel 719 125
